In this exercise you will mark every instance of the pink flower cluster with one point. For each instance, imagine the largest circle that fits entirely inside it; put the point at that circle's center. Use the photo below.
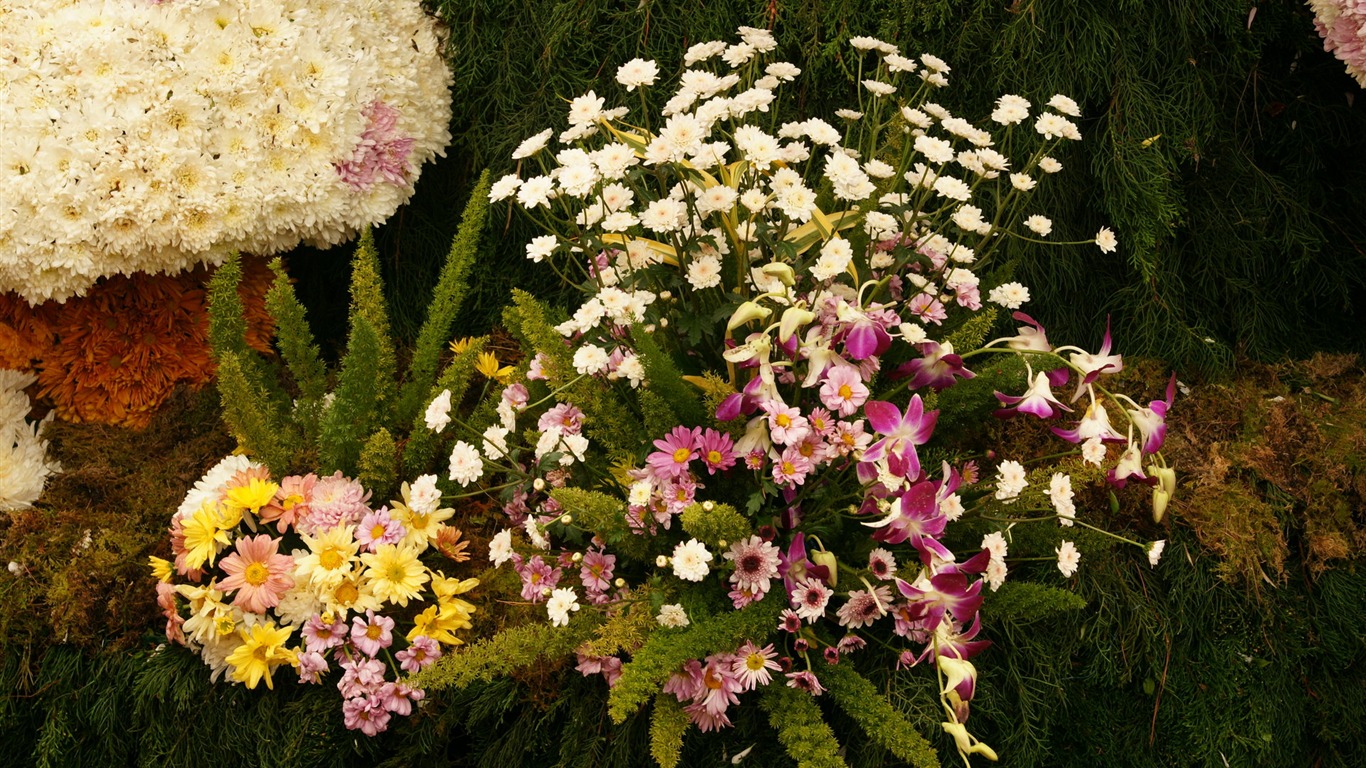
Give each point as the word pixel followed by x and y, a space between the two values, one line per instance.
pixel 1342 25
pixel 382 154
pixel 369 699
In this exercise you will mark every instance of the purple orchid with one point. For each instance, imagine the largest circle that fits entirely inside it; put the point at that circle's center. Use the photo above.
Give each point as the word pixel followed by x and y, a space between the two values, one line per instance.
pixel 901 434
pixel 937 367
pixel 794 565
pixel 915 516
pixel 946 593
pixel 1152 421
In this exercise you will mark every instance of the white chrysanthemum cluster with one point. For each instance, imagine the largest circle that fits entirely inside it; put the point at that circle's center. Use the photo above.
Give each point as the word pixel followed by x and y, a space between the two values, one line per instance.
pixel 145 137
pixel 24 466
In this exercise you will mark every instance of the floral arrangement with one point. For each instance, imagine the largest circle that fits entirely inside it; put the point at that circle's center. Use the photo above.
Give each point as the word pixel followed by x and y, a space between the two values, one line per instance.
pixel 114 355
pixel 308 573
pixel 728 454
pixel 24 465
pixel 1342 25
pixel 198 129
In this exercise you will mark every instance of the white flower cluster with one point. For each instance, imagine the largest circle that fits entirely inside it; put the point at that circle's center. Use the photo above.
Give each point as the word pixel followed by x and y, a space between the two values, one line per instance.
pixel 24 466
pixel 146 137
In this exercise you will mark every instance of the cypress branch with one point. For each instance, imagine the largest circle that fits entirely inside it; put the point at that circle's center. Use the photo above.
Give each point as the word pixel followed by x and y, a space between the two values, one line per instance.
pixel 352 413
pixel 378 466
pixel 247 411
pixel 295 338
pixel 668 724
pixel 228 331
pixel 801 727
pixel 512 649
pixel 878 718
pixel 606 516
pixel 664 653
pixel 451 288
pixel 367 303
pixel 722 521
pixel 663 378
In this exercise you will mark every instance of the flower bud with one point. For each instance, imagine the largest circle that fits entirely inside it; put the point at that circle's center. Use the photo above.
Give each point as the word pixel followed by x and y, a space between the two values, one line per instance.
pixel 567 519
pixel 793 318
pixel 577 557
pixel 781 271
pixel 1160 499
pixel 745 313
pixel 827 558
pixel 619 582
pixel 662 561
pixel 708 505
pixel 722 543
pixel 538 484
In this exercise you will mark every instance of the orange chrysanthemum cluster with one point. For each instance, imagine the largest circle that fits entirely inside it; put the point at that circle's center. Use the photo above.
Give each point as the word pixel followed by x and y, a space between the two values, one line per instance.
pixel 115 354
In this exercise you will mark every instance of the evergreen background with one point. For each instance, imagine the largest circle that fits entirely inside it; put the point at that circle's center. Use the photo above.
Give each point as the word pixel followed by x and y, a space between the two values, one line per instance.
pixel 1221 143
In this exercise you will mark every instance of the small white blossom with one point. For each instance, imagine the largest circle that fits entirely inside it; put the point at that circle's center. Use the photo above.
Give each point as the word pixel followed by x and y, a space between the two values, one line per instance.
pixel 466 466
pixel 439 412
pixel 562 602
pixel 637 72
pixel 1039 225
pixel 1068 558
pixel 690 560
pixel 500 547
pixel 672 615
pixel 1105 240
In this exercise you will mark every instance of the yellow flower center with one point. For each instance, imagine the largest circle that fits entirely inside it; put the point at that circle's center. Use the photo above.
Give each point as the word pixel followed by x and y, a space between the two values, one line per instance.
pixel 845 392
pixel 788 468
pixel 783 420
pixel 754 662
pixel 330 559
pixel 535 578
pixel 396 572
pixel 260 653
pixel 374 631
pixel 225 625
pixel 378 531
pixel 346 594
pixel 713 457
pixel 806 449
pixel 256 574
pixel 681 455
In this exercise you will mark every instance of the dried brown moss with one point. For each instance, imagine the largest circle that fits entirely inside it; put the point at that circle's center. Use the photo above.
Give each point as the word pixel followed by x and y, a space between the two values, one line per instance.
pixel 84 547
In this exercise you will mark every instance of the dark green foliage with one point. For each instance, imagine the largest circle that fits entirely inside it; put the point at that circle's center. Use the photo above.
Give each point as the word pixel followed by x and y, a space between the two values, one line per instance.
pixel 1022 602
pixel 801 728
pixel 1227 151
pixel 883 724
pixel 349 419
pixel 664 653
pixel 451 289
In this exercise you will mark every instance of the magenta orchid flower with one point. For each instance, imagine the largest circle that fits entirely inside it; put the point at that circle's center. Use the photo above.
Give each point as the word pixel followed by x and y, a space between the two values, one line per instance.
pixel 1092 366
pixel 1038 401
pixel 794 565
pixel 1152 421
pixel 945 593
pixel 1094 423
pixel 901 433
pixel 915 516
pixel 937 367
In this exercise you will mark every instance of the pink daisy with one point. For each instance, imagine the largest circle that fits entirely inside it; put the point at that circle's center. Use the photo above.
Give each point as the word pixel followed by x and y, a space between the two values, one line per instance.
pixel 675 451
pixel 864 607
pixel 843 391
pixel 319 635
pixel 291 501
pixel 805 681
pixel 792 468
pixel 882 563
pixel 754 666
pixel 258 572
pixel 786 425
pixel 564 417
pixel 538 579
pixel 809 597
pixel 596 572
pixel 378 528
pixel 716 450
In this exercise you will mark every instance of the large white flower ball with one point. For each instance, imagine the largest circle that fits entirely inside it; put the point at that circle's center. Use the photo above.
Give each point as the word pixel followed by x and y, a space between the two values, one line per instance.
pixel 146 137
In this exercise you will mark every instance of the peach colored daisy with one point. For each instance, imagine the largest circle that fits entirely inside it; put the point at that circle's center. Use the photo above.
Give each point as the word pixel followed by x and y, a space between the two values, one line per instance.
pixel 258 572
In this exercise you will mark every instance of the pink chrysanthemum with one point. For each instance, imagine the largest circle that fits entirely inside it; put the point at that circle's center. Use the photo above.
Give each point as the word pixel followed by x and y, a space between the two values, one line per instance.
pixel 809 598
pixel 337 500
pixel 382 154
pixel 596 571
pixel 805 681
pixel 675 451
pixel 372 634
pixel 420 653
pixel 864 607
pixel 258 572
pixel 717 451
pixel 756 563
pixel 538 579
pixel 564 417
pixel 754 666
pixel 843 391
pixel 319 635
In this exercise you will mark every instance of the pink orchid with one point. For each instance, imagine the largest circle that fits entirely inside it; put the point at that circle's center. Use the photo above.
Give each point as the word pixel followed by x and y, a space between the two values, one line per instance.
pixel 937 367
pixel 901 434
pixel 1038 401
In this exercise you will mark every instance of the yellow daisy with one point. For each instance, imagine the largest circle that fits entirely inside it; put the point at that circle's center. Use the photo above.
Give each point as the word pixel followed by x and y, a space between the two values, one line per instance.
pixel 331 556
pixel 421 529
pixel 161 569
pixel 439 622
pixel 262 650
pixel 252 496
pixel 488 365
pixel 350 593
pixel 394 573
pixel 204 537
